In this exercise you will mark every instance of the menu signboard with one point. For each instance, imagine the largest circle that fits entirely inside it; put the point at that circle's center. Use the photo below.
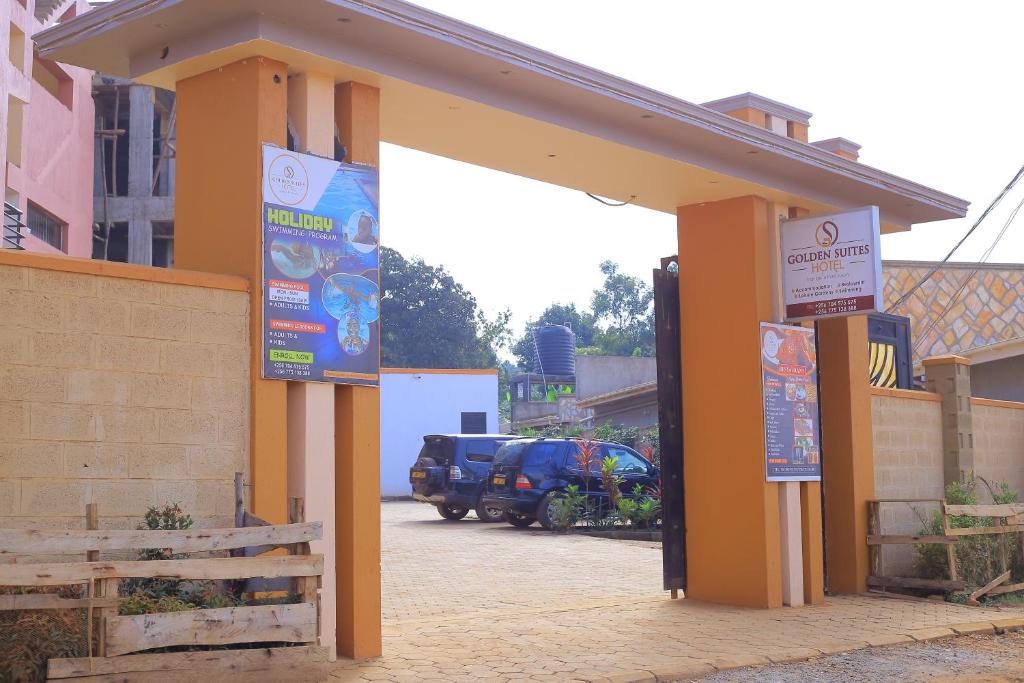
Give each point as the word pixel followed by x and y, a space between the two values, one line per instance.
pixel 789 378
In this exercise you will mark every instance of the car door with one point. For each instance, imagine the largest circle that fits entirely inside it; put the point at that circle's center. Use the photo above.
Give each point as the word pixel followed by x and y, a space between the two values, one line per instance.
pixel 582 468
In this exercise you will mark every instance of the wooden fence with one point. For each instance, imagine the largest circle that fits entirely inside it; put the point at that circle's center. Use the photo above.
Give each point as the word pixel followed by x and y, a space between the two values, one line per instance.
pixel 1007 519
pixel 113 638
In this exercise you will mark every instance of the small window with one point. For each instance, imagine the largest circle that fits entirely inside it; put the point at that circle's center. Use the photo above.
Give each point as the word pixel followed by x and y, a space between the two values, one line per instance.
pixel 474 423
pixel 47 227
pixel 481 451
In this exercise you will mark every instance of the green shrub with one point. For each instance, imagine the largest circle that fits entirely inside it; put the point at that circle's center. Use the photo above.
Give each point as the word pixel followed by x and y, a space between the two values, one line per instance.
pixel 567 509
pixel 170 595
pixel 141 603
pixel 977 557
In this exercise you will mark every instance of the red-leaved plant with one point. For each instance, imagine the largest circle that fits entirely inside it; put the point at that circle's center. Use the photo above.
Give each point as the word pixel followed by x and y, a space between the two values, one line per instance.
pixel 587 454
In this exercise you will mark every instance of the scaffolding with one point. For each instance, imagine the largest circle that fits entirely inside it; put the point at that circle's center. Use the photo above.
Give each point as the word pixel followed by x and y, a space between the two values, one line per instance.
pixel 134 172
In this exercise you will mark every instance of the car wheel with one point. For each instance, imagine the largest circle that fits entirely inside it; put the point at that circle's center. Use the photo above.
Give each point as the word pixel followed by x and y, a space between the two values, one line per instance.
pixel 486 514
pixel 452 512
pixel 544 510
pixel 519 521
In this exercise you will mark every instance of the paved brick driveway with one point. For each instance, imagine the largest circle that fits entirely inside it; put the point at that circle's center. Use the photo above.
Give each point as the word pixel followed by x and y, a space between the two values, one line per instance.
pixel 472 601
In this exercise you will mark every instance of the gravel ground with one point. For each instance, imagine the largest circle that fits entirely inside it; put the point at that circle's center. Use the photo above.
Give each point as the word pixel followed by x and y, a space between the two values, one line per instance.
pixel 977 659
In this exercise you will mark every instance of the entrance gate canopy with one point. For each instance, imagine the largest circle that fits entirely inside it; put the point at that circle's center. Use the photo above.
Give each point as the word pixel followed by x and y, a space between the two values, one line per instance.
pixel 451 89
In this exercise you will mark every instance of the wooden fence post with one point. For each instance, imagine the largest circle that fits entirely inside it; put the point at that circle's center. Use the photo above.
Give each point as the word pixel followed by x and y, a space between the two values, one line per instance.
pixel 875 529
pixel 306 587
pixel 950 550
pixel 92 523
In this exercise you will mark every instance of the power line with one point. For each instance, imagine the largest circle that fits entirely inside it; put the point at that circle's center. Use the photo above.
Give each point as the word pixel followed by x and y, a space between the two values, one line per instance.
pixel 632 198
pixel 995 202
pixel 984 257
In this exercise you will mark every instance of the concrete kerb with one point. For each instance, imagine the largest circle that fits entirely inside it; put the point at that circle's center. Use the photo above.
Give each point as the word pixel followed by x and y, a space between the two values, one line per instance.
pixel 695 671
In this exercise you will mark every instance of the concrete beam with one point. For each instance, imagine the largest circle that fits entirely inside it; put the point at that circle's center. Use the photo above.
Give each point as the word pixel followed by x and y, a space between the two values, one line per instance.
pixel 124 209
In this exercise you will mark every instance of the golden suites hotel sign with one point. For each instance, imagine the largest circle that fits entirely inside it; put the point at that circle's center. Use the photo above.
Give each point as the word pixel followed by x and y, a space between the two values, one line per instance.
pixel 831 265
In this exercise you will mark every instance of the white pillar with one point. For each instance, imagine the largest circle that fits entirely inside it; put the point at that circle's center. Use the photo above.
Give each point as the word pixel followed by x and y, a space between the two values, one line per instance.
pixel 311 404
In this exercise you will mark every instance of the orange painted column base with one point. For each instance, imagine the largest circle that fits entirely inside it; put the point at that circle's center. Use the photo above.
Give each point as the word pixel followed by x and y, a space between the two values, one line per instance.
pixel 357 434
pixel 732 514
pixel 222 117
pixel 357 472
pixel 846 449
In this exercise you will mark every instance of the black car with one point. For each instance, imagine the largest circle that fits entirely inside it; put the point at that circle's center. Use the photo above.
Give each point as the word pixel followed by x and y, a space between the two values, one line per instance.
pixel 452 471
pixel 528 474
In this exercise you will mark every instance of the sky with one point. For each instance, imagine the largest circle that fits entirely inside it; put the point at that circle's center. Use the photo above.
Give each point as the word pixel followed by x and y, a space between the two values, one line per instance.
pixel 931 90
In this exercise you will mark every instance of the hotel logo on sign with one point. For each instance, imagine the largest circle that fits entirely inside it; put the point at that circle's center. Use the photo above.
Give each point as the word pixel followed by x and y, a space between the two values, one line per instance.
pixel 288 180
pixel 831 265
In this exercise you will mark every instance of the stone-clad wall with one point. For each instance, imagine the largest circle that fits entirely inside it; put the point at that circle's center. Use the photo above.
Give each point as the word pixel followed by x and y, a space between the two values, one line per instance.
pixel 128 390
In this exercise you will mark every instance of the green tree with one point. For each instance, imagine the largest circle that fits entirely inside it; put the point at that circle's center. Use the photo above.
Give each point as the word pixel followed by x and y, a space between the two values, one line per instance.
pixel 428 320
pixel 581 322
pixel 626 305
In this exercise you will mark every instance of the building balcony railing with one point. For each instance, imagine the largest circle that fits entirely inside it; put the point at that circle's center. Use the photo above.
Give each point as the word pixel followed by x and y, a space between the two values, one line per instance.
pixel 14 229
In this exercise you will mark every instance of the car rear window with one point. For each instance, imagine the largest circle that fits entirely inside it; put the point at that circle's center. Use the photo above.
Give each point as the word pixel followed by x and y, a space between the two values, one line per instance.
pixel 436 448
pixel 510 453
pixel 542 454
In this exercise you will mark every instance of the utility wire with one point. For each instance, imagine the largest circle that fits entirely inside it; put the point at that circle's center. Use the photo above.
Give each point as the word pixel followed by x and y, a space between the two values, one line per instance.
pixel 631 200
pixel 984 258
pixel 995 202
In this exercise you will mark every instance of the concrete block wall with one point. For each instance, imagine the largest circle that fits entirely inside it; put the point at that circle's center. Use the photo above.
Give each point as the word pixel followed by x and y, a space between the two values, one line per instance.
pixel 999 441
pixel 907 431
pixel 121 385
pixel 909 458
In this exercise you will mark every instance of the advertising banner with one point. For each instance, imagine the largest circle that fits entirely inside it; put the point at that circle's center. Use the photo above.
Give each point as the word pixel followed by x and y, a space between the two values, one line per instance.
pixel 831 265
pixel 789 379
pixel 321 269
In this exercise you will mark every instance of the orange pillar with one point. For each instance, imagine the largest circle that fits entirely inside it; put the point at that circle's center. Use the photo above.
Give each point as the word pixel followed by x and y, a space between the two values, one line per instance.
pixel 222 117
pixel 846 449
pixel 357 440
pixel 732 513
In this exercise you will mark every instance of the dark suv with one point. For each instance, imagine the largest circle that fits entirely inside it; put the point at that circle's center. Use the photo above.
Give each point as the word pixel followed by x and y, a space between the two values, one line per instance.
pixel 452 471
pixel 528 474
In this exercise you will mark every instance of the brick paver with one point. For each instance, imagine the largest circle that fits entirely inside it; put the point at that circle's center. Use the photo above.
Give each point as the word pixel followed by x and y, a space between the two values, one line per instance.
pixel 466 601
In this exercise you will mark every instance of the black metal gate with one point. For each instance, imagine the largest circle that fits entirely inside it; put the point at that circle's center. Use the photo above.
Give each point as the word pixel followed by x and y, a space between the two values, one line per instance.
pixel 670 423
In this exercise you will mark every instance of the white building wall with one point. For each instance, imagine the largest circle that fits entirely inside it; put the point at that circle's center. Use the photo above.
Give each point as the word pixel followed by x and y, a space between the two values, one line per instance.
pixel 414 403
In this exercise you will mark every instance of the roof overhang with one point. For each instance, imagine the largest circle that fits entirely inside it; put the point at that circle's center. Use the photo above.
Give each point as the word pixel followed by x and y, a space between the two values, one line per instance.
pixel 645 391
pixel 1011 348
pixel 458 91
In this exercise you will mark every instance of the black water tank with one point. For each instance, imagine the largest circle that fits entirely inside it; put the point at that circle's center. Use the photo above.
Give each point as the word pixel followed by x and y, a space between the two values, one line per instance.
pixel 555 352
